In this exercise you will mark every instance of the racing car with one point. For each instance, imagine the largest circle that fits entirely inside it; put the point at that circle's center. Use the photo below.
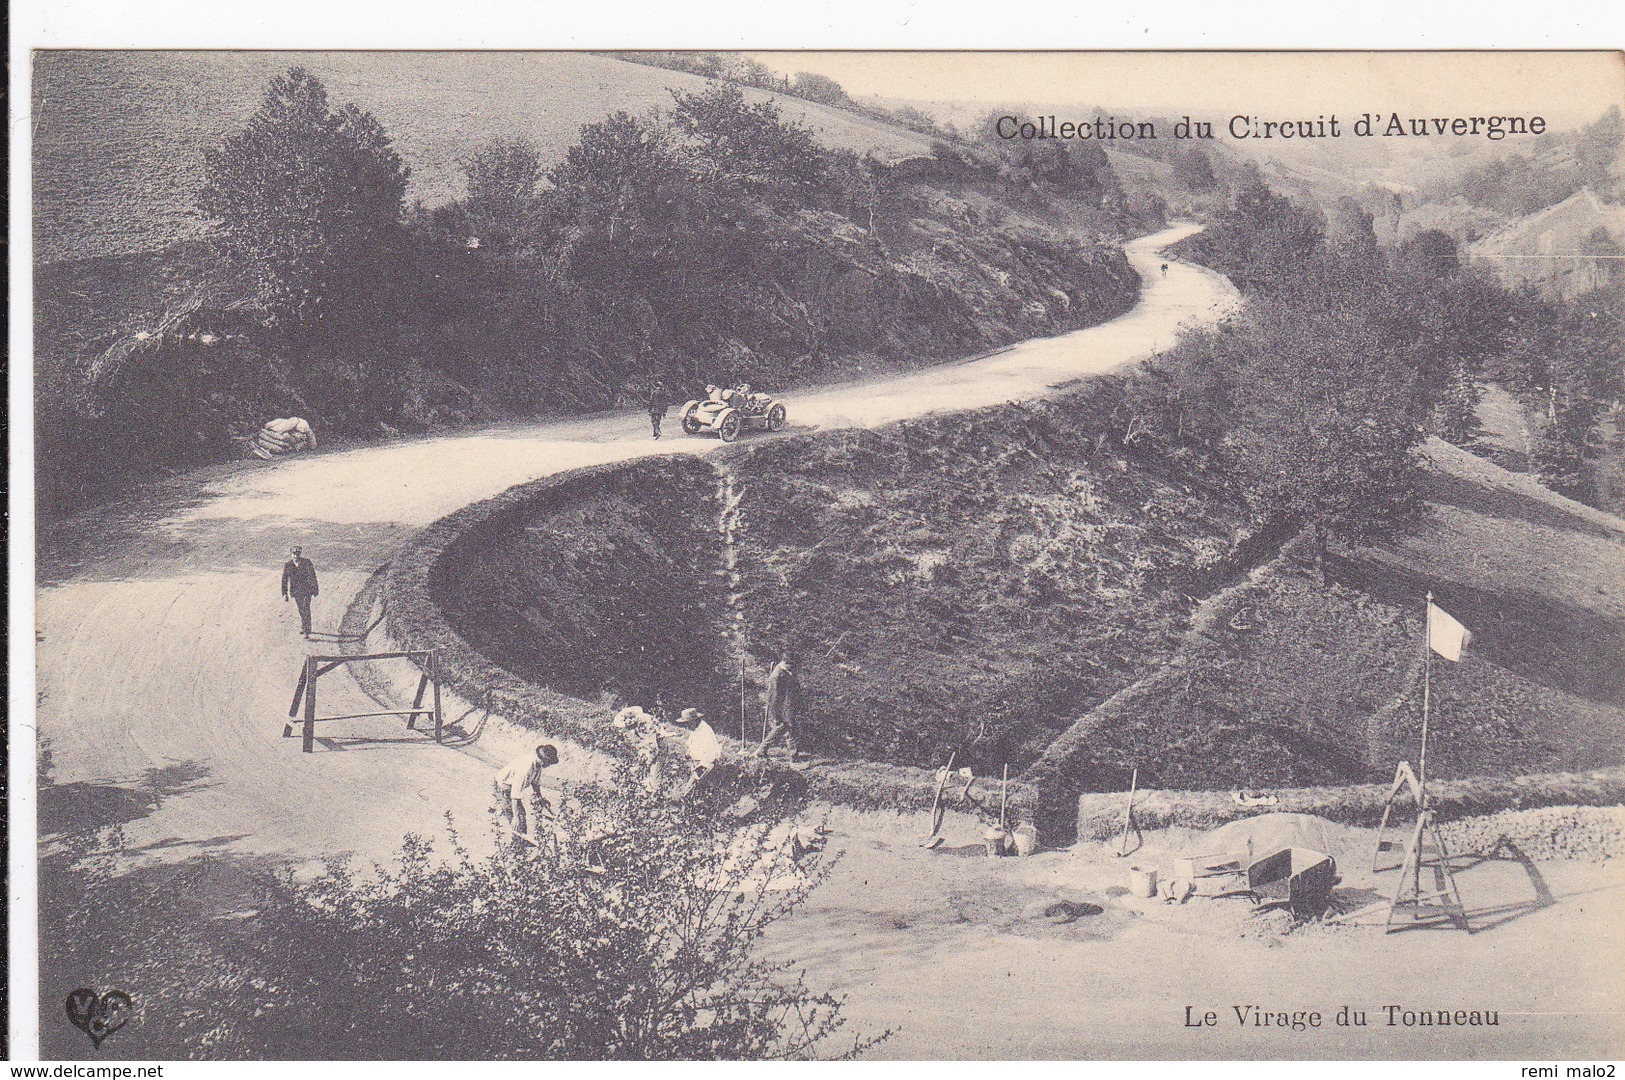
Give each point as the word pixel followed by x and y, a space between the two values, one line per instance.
pixel 728 412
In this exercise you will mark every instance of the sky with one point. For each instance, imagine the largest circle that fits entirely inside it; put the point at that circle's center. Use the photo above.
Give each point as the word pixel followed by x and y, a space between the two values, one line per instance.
pixel 1564 87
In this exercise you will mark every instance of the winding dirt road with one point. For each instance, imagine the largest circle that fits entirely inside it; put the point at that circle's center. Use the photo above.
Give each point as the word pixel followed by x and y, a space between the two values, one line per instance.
pixel 167 659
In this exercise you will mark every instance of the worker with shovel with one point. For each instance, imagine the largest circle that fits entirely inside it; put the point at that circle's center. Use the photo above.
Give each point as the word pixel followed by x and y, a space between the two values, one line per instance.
pixel 522 780
pixel 701 747
pixel 783 705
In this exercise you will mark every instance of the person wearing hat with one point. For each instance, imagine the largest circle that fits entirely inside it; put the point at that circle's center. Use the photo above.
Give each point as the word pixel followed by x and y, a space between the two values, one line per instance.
pixel 703 748
pixel 299 582
pixel 657 407
pixel 521 775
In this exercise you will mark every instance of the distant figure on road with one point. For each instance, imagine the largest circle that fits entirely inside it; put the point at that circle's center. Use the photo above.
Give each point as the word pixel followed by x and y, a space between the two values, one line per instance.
pixel 521 779
pixel 299 582
pixel 657 407
pixel 1164 269
pixel 783 703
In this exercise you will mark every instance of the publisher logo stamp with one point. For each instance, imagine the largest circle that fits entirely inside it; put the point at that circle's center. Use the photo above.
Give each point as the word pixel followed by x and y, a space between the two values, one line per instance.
pixel 99 1015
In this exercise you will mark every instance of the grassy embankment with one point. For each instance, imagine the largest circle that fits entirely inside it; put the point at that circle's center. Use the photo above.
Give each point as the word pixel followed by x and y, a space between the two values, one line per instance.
pixel 1024 571
pixel 605 586
pixel 1031 582
pixel 968 583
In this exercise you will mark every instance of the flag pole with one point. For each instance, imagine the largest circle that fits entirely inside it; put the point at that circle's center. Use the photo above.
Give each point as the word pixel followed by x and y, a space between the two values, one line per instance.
pixel 1427 693
pixel 1422 812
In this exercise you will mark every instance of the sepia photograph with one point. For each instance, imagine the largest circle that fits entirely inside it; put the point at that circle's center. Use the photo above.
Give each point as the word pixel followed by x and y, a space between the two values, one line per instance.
pixel 775 555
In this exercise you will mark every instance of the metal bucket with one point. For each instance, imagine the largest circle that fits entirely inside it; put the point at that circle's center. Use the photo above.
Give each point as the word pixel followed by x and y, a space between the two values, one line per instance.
pixel 1142 881
pixel 1026 838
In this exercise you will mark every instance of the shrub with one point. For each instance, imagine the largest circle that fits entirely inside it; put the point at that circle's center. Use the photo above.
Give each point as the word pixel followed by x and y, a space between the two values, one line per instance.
pixel 519 953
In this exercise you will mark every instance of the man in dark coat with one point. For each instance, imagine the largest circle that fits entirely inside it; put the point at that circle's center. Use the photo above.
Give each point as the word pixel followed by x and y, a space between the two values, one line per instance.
pixel 783 705
pixel 299 582
pixel 657 407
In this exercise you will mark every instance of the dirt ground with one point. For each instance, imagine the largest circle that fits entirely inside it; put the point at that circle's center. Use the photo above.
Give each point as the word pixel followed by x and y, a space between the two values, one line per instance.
pixel 954 953
pixel 166 661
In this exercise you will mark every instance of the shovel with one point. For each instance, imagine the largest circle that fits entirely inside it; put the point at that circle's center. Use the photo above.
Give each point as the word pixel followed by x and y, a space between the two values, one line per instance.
pixel 937 809
pixel 1128 816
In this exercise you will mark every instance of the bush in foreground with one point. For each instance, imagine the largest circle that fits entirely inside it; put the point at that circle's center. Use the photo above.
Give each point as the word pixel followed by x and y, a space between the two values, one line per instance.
pixel 518 953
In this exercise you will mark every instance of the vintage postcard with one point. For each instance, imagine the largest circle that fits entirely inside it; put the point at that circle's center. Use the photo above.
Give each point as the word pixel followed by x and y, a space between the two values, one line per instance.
pixel 760 555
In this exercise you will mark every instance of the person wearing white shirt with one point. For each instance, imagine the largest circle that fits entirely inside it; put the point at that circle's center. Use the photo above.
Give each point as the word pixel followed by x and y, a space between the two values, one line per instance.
pixel 522 778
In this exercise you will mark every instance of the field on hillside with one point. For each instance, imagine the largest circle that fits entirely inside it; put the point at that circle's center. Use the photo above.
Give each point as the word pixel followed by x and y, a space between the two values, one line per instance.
pixel 1303 684
pixel 119 137
pixel 1543 250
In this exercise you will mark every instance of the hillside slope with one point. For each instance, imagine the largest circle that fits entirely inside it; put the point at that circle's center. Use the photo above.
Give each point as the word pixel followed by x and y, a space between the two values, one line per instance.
pixel 119 136
pixel 1292 682
pixel 969 583
pixel 1561 250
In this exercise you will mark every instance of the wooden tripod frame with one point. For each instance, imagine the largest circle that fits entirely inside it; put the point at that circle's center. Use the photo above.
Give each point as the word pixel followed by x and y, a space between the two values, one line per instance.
pixel 1443 898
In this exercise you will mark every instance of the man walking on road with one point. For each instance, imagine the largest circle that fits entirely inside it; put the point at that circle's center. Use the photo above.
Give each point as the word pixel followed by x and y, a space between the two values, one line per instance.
pixel 299 582
pixel 783 703
pixel 657 407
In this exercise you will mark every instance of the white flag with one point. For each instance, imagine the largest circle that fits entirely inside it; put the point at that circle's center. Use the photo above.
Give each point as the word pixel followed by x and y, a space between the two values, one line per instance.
pixel 1446 636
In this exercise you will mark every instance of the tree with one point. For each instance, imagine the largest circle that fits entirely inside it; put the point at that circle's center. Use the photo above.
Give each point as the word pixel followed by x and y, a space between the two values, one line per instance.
pixel 504 204
pixel 1566 361
pixel 820 88
pixel 860 187
pixel 1263 241
pixel 1455 416
pixel 731 140
pixel 617 197
pixel 1329 423
pixel 1431 253
pixel 1309 407
pixel 1559 456
pixel 306 200
pixel 619 167
pixel 1607 267
pixel 1598 145
pixel 1192 169
pixel 1352 232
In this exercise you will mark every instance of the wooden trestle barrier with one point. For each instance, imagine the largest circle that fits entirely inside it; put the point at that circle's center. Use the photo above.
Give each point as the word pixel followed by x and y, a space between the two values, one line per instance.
pixel 316 666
